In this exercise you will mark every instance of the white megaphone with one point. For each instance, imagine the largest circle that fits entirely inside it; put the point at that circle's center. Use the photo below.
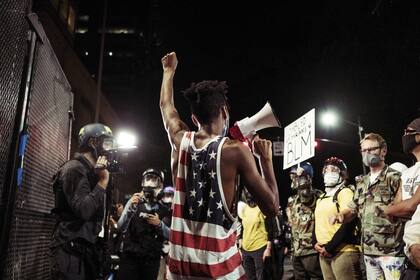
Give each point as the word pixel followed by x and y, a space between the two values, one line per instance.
pixel 245 129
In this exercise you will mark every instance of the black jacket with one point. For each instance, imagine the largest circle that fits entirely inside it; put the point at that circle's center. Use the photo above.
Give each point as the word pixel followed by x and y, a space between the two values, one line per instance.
pixel 79 202
pixel 141 239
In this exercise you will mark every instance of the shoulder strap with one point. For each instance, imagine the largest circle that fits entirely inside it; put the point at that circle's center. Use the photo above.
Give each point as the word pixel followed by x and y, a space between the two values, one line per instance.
pixel 335 197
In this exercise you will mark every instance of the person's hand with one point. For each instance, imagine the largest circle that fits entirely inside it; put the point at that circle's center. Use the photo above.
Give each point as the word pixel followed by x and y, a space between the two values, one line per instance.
pixel 318 247
pixel 267 253
pixel 153 219
pixel 324 253
pixel 286 251
pixel 102 172
pixel 169 63
pixel 135 199
pixel 262 148
pixel 338 218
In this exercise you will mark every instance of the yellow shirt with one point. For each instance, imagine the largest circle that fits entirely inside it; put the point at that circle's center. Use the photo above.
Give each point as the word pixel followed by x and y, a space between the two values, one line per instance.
pixel 325 208
pixel 254 235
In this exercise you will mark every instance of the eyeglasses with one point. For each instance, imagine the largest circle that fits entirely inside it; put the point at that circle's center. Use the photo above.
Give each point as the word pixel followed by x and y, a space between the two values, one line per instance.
pixel 368 150
pixel 331 168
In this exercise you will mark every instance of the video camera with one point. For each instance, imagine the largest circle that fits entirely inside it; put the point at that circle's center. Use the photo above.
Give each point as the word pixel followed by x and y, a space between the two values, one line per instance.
pixel 116 158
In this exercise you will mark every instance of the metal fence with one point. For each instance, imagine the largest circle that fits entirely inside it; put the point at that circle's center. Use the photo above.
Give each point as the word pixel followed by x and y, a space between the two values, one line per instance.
pixel 48 125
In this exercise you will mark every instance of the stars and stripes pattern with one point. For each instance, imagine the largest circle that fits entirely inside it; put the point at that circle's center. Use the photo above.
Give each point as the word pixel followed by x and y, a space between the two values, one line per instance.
pixel 203 231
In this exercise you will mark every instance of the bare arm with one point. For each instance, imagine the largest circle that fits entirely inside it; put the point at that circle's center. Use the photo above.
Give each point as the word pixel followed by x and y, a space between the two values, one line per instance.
pixel 264 191
pixel 403 208
pixel 174 126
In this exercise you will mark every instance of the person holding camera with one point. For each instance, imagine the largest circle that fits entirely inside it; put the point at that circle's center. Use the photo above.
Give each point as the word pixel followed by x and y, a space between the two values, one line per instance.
pixel 144 230
pixel 79 187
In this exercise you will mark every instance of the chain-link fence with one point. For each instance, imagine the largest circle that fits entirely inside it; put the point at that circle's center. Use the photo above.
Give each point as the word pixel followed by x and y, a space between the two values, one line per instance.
pixel 48 126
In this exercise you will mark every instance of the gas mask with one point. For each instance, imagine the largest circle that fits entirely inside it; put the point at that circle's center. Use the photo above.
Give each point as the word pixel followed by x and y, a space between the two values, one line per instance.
pixel 371 160
pixel 151 185
pixel 409 143
pixel 304 189
pixel 332 179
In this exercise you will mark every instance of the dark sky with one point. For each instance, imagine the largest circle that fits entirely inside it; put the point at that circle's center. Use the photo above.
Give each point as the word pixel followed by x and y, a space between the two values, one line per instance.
pixel 360 58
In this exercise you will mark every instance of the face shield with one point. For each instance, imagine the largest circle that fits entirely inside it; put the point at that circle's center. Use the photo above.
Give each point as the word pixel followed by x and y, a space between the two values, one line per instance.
pixel 151 184
pixel 108 144
pixel 103 145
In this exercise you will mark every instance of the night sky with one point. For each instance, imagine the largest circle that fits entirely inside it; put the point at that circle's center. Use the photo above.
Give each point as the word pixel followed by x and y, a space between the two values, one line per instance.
pixel 360 58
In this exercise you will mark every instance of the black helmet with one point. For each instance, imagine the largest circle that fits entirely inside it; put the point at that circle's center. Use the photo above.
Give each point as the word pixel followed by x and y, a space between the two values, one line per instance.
pixel 154 171
pixel 152 178
pixel 336 162
pixel 93 130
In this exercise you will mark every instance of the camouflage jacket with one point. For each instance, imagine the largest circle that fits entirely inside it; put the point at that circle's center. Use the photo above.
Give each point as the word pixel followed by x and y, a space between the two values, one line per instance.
pixel 302 222
pixel 381 234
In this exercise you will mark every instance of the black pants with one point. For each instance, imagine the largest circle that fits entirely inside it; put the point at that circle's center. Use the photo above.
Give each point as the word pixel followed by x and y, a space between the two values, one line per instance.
pixel 253 263
pixel 135 268
pixel 68 264
pixel 273 266
pixel 411 272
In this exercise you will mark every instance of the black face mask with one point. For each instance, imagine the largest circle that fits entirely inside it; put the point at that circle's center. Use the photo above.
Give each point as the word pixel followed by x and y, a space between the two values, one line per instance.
pixel 409 143
pixel 149 193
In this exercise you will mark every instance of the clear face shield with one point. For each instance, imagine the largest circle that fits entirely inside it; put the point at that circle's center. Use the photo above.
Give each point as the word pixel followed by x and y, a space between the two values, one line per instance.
pixel 151 184
pixel 108 144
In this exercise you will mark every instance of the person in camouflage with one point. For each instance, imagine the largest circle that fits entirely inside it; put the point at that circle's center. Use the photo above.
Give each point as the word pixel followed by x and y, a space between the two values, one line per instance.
pixel 300 212
pixel 382 243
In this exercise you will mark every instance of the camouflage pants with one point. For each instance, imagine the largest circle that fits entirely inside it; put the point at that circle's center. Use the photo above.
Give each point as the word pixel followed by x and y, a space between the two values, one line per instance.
pixel 383 267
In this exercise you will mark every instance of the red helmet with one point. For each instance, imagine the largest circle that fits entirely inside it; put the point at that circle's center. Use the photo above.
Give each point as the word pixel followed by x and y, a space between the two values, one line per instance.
pixel 335 161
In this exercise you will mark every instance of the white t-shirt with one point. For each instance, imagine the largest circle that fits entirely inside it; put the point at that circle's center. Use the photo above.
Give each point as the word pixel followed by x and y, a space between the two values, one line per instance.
pixel 374 176
pixel 410 180
pixel 412 232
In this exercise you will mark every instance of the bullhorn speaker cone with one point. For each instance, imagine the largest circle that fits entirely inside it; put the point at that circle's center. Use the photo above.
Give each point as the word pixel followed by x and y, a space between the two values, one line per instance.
pixel 249 126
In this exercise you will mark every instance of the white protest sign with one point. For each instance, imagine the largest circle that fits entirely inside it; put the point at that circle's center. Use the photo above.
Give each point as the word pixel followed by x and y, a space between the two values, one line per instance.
pixel 299 140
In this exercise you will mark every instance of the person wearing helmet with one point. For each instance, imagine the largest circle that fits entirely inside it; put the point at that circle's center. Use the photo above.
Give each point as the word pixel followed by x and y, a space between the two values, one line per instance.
pixel 300 213
pixel 338 255
pixel 168 196
pixel 144 230
pixel 79 187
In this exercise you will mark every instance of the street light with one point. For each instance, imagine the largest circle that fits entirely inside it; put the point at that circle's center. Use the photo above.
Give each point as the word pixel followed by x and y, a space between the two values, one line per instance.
pixel 330 119
pixel 126 140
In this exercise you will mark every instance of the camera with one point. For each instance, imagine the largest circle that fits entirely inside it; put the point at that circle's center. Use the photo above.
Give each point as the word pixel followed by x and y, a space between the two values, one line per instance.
pixel 115 159
pixel 148 209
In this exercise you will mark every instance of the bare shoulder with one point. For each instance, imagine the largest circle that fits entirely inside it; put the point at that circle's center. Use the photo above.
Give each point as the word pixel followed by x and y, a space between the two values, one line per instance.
pixel 235 148
pixel 176 140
